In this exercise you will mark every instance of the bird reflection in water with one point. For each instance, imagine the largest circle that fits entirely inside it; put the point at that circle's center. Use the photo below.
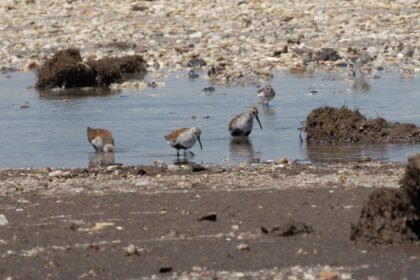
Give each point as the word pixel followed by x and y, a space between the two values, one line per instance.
pixel 357 83
pixel 101 159
pixel 360 84
pixel 241 148
pixel 183 160
pixel 268 111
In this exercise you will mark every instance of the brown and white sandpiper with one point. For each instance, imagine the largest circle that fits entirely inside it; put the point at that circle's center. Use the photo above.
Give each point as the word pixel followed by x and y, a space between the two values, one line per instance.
pixel 101 139
pixel 266 94
pixel 184 138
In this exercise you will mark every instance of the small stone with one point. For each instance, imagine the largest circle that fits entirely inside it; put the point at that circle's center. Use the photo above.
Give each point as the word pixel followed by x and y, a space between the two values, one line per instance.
pixel 243 247
pixel 142 182
pixel 196 35
pixel 372 51
pixel 113 168
pixel 55 174
pixel 132 250
pixel 173 167
pixel 197 167
pixel 212 217
pixel 165 269
pixel 160 164
pixel 282 160
pixel 196 62
pixel 102 225
pixel 67 174
pixel 209 89
pixel 328 274
pixel 3 220
pixel 46 170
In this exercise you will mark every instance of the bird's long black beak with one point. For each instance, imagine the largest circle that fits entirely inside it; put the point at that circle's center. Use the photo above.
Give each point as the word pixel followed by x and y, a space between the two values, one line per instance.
pixel 258 120
pixel 199 141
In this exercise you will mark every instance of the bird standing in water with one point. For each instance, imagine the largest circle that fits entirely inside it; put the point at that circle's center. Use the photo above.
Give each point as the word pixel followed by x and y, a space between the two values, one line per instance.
pixel 101 139
pixel 266 94
pixel 242 124
pixel 184 138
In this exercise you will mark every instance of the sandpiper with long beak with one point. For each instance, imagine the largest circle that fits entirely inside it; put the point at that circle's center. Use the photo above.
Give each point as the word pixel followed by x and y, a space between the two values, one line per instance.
pixel 242 124
pixel 101 139
pixel 184 138
pixel 266 94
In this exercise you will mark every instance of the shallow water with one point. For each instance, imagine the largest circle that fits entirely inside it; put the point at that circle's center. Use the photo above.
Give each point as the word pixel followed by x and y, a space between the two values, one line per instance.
pixel 52 131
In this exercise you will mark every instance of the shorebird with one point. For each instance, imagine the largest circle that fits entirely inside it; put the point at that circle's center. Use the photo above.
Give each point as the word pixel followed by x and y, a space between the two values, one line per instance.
pixel 242 124
pixel 266 94
pixel 360 61
pixel 184 138
pixel 101 139
pixel 407 52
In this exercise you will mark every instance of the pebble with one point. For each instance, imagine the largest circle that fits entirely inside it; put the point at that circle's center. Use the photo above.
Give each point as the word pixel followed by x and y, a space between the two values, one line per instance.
pixel 132 250
pixel 196 62
pixel 113 168
pixel 160 164
pixel 142 182
pixel 243 247
pixel 55 174
pixel 67 174
pixel 3 220
pixel 173 167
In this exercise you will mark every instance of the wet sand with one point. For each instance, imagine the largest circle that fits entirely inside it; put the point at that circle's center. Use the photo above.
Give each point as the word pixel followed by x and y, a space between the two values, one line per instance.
pixel 78 223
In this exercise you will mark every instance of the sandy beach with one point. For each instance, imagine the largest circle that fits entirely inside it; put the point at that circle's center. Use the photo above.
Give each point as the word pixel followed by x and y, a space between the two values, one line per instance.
pixel 245 39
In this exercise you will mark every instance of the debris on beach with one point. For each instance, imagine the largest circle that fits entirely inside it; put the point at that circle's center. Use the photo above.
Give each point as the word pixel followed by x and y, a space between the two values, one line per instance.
pixel 289 228
pixel 328 125
pixel 66 69
pixel 392 216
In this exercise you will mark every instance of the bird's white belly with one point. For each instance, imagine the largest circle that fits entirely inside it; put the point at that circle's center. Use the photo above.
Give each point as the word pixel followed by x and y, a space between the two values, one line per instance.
pixel 98 143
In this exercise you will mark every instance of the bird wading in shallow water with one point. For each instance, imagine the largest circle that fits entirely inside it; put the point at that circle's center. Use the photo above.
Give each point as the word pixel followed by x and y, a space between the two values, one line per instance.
pixel 242 124
pixel 407 52
pixel 184 138
pixel 266 94
pixel 101 139
pixel 360 61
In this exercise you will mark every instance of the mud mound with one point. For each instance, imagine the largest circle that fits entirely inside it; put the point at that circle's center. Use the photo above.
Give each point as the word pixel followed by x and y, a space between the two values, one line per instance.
pixel 67 69
pixel 127 64
pixel 105 72
pixel 328 125
pixel 392 216
pixel 290 228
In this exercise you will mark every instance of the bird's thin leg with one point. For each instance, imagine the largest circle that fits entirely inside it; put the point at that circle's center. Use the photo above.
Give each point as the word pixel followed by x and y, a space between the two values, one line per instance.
pixel 177 153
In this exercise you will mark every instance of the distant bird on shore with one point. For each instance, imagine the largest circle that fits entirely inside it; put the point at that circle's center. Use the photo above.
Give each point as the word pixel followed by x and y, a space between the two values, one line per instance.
pixel 406 52
pixel 101 139
pixel 360 61
pixel 184 138
pixel 266 94
pixel 242 124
